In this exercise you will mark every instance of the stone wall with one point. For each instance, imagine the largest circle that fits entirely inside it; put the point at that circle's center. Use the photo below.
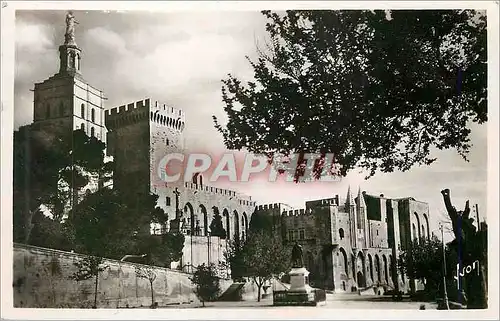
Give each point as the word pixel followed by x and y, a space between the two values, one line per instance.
pixel 41 279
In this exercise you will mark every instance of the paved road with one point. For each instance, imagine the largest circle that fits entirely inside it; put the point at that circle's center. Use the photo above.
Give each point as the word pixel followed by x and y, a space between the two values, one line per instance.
pixel 333 301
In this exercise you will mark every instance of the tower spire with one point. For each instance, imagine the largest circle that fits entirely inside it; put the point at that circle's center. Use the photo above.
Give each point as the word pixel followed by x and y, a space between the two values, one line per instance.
pixel 69 53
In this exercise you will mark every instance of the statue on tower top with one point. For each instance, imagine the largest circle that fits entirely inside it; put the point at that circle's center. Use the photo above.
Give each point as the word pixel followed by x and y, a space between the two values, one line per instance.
pixel 69 37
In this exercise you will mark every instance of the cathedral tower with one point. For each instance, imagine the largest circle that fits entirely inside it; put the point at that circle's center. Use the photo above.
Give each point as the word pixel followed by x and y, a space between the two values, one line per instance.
pixel 66 102
pixel 350 208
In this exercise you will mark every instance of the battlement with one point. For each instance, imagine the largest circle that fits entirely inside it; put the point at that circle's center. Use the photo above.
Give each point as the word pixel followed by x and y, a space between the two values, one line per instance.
pixel 242 199
pixel 297 212
pixel 160 114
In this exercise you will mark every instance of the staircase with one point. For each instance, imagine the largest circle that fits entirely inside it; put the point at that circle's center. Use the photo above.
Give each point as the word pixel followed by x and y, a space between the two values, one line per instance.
pixel 233 293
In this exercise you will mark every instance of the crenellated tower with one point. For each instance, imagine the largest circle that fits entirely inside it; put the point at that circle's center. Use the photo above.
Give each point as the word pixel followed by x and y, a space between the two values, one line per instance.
pixel 140 135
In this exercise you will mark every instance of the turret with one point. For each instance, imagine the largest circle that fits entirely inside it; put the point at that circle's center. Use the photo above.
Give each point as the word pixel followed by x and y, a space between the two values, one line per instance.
pixel 350 207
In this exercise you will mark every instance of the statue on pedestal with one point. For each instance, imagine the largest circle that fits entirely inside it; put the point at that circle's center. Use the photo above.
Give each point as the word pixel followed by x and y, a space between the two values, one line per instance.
pixel 297 256
pixel 69 36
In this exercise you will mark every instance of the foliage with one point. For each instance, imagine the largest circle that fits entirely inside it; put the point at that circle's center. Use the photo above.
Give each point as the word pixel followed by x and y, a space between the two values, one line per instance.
pixel 260 222
pixel 376 89
pixel 161 250
pixel 48 170
pixel 49 233
pixel 260 257
pixel 109 224
pixel 216 227
pixel 207 283
pixel 87 268
pixel 149 274
pixel 233 256
pixel 424 261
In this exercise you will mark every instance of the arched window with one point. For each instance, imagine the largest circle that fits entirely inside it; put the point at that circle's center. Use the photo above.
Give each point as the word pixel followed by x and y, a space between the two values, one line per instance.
pixel 168 142
pixel 92 131
pixel 341 233
pixel 414 231
pixel 82 127
pixel 82 111
pixel 92 115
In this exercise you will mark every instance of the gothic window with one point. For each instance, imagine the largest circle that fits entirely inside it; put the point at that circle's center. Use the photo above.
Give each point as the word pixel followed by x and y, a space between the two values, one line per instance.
pixel 92 115
pixel 167 201
pixel 168 142
pixel 82 111
pixel 377 232
pixel 82 127
pixel 301 234
pixel 92 131
pixel 341 233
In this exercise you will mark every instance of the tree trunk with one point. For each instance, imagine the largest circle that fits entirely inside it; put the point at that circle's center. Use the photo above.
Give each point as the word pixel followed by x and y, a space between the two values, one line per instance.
pixel 95 291
pixel 152 294
pixel 259 286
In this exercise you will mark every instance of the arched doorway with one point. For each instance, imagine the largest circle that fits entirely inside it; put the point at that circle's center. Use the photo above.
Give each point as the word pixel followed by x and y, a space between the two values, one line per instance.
pixel 361 280
pixel 360 267
pixel 343 262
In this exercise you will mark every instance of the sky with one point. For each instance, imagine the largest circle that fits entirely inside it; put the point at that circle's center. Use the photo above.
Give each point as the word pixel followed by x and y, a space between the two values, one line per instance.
pixel 179 59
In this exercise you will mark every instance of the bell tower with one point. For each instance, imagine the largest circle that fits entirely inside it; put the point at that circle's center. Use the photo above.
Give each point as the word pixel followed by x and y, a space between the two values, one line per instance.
pixel 65 101
pixel 69 52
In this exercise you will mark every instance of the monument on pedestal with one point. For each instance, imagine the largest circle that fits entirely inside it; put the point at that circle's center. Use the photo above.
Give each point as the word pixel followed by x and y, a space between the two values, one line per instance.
pixel 300 293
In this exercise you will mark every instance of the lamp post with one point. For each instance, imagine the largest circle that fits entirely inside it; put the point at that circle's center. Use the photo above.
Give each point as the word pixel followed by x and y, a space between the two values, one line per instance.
pixel 445 293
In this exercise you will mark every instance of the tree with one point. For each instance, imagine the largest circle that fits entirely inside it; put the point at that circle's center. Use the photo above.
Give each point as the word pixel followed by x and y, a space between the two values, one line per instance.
pixel 376 89
pixel 161 250
pixel 87 268
pixel 51 169
pixel 207 283
pixel 216 227
pixel 149 274
pixel 263 256
pixel 234 257
pixel 424 261
pixel 469 246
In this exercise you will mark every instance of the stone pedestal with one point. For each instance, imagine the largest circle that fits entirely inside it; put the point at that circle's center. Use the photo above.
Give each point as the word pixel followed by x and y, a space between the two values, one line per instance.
pixel 299 280
pixel 300 293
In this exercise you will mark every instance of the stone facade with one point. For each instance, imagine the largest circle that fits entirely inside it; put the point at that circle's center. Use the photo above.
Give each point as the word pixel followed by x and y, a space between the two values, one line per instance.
pixel 140 134
pixel 352 244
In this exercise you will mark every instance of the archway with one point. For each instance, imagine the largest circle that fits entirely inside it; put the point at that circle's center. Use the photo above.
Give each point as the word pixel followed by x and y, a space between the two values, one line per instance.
pixel 353 265
pixel 419 235
pixel 203 212
pixel 236 223
pixel 426 224
pixel 361 280
pixel 370 266
pixel 191 218
pixel 377 267
pixel 360 267
pixel 227 219
pixel 245 224
pixel 386 270
pixel 343 262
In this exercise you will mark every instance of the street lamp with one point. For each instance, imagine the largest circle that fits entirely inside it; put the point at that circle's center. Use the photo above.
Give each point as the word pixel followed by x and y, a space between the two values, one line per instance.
pixel 445 293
